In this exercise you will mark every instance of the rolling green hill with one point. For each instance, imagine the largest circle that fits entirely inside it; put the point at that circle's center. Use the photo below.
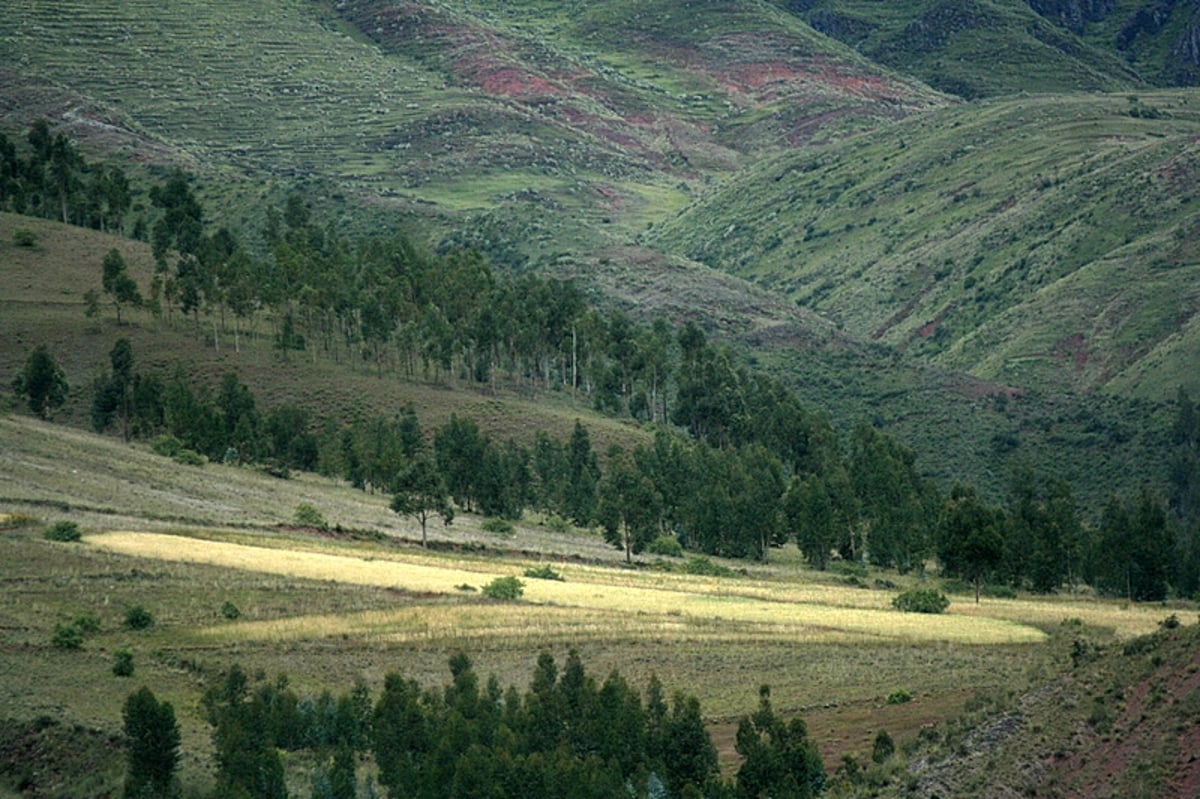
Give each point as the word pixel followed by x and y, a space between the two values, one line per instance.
pixel 1046 241
pixel 986 48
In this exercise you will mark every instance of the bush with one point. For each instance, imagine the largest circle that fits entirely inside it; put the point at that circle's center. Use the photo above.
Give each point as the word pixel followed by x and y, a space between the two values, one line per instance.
pixel 87 623
pixel 138 618
pixel 167 446
pixel 122 663
pixel 666 545
pixel 848 568
pixel 1170 622
pixel 63 531
pixel 921 600
pixel 230 611
pixel 955 585
pixel 497 526
pixel 188 457
pixel 899 697
pixel 884 747
pixel 67 636
pixel 24 237
pixel 558 524
pixel 543 572
pixel 308 516
pixel 507 588
pixel 999 591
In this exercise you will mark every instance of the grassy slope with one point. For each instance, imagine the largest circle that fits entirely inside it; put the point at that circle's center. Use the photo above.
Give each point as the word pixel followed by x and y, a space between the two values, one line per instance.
pixel 1044 242
pixel 1119 721
pixel 501 114
pixel 42 302
pixel 981 48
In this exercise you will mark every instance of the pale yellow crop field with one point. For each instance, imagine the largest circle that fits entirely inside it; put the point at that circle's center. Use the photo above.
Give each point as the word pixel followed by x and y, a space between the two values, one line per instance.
pixel 591 603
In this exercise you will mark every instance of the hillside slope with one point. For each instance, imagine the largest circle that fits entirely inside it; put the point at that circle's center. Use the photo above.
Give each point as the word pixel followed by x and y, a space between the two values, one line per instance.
pixel 986 48
pixel 1043 242
pixel 547 124
pixel 1119 721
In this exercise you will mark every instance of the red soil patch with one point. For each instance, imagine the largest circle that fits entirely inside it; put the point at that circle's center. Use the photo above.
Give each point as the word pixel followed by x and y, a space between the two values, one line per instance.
pixel 1074 348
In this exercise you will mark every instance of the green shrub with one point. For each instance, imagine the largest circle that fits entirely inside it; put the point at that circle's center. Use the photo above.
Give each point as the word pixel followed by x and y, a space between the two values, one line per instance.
pixel 87 623
pixel 999 591
pixel 67 636
pixel 666 545
pixel 24 237
pixel 167 446
pixel 63 531
pixel 122 663
pixel 230 610
pixel 507 588
pixel 921 600
pixel 884 747
pixel 955 585
pixel 899 697
pixel 497 526
pixel 543 572
pixel 138 618
pixel 558 524
pixel 848 568
pixel 189 457
pixel 308 516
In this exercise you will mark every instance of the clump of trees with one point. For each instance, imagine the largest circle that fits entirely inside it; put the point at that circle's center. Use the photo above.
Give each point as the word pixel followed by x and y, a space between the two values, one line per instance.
pixel 567 735
pixel 45 175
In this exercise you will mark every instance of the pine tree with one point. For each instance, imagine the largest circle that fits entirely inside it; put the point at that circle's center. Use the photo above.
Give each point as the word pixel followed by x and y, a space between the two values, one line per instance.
pixel 152 747
pixel 41 382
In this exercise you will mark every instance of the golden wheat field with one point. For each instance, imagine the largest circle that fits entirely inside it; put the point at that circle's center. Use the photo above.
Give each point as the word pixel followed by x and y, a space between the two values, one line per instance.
pixel 595 602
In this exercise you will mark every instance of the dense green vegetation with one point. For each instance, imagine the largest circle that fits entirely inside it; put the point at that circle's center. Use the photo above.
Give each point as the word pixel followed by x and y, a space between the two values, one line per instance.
pixel 566 736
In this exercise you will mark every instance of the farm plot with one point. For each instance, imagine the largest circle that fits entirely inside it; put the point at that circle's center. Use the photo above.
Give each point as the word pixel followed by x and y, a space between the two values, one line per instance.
pixel 589 603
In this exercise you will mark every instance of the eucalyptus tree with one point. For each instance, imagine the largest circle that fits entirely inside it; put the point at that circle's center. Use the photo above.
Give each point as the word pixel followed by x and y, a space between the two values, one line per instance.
pixel 419 490
pixel 117 283
pixel 629 506
pixel 41 382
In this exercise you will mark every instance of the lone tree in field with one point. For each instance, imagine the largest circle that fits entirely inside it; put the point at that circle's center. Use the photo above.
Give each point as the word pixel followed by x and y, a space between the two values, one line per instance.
pixel 420 492
pixel 153 747
pixel 118 285
pixel 41 382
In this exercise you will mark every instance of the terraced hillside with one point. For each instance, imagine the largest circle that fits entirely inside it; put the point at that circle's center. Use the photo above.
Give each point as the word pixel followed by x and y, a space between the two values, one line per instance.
pixel 432 107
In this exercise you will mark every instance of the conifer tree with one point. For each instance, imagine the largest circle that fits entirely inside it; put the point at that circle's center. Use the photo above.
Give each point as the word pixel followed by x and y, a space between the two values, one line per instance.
pixel 152 737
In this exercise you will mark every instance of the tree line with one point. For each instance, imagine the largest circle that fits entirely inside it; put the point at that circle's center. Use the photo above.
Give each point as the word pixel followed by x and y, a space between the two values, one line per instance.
pixel 567 735
pixel 738 466
pixel 869 505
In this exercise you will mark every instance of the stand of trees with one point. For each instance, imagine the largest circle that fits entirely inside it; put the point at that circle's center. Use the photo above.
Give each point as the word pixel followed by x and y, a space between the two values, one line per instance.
pixel 738 499
pixel 567 735
pixel 53 180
